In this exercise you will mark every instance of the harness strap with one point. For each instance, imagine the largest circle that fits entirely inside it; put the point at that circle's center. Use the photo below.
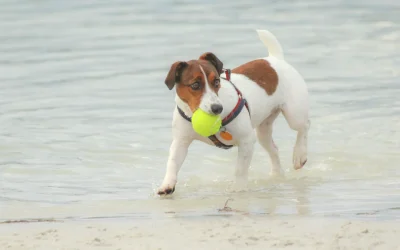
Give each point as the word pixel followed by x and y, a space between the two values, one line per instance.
pixel 239 105
pixel 218 143
pixel 184 115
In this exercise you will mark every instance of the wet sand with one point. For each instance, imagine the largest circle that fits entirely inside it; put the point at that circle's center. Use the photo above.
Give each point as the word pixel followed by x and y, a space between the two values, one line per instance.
pixel 231 232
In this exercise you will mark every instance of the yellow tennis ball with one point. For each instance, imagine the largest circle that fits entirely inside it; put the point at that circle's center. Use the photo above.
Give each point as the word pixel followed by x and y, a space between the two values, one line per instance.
pixel 205 124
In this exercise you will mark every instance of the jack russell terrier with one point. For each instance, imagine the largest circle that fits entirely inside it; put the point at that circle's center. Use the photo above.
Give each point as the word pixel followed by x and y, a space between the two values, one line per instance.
pixel 248 98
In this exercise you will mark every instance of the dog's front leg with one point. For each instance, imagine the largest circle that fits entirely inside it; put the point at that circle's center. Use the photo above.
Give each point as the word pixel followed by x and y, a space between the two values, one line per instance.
pixel 245 154
pixel 177 154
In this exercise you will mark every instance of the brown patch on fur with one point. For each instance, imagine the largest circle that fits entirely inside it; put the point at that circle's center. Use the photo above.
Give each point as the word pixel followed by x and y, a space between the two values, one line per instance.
pixel 186 93
pixel 212 77
pixel 214 60
pixel 261 72
pixel 191 74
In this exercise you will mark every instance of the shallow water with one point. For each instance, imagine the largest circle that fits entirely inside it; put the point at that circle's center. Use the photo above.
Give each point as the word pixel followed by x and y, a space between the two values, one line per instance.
pixel 85 117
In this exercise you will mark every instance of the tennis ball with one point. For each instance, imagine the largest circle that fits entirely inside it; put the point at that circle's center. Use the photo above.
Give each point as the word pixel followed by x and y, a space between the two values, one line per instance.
pixel 205 124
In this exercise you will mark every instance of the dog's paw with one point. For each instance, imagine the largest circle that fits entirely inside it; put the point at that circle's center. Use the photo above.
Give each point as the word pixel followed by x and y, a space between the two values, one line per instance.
pixel 299 157
pixel 165 190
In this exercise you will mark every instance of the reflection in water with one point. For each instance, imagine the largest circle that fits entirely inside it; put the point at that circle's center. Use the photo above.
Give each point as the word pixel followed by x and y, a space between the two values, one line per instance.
pixel 276 197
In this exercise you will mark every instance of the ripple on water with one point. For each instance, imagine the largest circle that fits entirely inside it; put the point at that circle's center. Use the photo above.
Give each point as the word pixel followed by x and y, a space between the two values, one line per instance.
pixel 85 116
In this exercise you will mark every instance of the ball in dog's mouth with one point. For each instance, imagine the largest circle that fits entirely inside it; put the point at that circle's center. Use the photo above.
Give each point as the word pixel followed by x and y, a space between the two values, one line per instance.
pixel 206 124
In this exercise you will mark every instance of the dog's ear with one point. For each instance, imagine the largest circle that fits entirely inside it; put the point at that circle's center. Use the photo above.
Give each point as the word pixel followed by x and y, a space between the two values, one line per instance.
pixel 213 59
pixel 174 74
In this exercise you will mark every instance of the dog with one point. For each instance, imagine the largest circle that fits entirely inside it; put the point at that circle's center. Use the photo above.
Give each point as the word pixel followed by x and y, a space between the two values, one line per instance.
pixel 248 98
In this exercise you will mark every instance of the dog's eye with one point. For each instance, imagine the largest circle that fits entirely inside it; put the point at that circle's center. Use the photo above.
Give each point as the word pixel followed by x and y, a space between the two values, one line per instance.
pixel 195 86
pixel 216 83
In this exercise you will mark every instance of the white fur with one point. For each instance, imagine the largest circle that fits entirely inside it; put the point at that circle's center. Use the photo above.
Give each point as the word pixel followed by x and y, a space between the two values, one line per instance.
pixel 209 97
pixel 290 98
pixel 270 41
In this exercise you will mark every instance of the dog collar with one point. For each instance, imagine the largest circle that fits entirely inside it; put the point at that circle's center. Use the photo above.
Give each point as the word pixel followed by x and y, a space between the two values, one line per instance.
pixel 230 117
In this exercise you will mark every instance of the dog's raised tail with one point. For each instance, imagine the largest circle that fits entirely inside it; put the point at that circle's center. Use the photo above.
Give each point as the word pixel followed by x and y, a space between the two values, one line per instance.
pixel 272 44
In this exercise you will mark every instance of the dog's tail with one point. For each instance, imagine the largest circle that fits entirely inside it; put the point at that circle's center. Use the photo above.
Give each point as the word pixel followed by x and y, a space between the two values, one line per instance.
pixel 272 44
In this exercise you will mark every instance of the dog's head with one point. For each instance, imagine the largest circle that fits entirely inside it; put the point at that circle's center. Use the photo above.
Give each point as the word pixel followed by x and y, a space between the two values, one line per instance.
pixel 197 82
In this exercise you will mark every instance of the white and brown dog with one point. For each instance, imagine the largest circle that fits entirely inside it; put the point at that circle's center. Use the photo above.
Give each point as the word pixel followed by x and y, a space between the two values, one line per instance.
pixel 248 97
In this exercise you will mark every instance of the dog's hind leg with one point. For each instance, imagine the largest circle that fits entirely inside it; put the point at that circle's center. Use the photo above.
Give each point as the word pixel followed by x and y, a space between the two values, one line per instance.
pixel 264 135
pixel 297 118
pixel 296 112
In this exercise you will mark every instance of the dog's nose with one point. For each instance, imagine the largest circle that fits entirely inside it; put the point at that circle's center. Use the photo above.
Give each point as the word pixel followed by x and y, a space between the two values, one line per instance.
pixel 216 108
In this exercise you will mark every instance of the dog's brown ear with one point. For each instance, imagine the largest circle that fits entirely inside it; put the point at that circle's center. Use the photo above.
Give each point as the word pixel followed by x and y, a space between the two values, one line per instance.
pixel 174 74
pixel 213 59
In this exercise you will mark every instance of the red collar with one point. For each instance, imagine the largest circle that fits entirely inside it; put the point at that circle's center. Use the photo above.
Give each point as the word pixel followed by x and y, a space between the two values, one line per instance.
pixel 227 74
pixel 239 105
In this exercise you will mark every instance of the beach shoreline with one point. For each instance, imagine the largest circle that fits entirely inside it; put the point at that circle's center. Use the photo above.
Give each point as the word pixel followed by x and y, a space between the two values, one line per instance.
pixel 213 232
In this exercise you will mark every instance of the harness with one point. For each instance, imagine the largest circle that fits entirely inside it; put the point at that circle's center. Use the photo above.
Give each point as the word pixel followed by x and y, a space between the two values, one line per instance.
pixel 230 117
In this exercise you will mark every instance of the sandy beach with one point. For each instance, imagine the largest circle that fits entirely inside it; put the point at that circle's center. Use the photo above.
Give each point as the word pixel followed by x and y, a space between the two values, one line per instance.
pixel 232 232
